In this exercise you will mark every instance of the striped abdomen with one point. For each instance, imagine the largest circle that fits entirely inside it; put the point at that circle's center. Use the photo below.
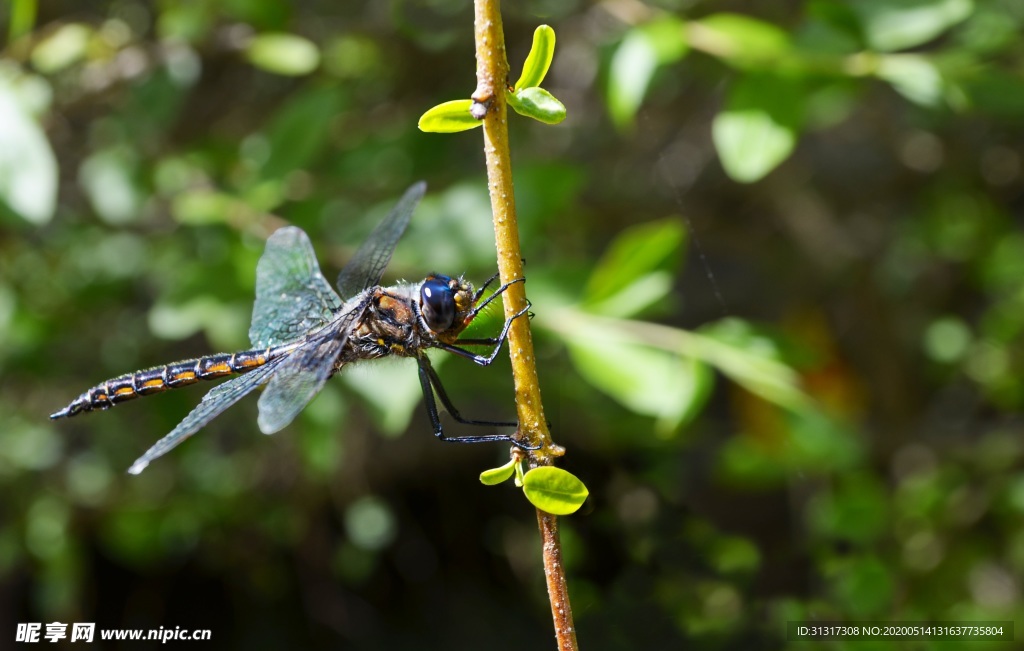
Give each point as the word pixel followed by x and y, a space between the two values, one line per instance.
pixel 170 376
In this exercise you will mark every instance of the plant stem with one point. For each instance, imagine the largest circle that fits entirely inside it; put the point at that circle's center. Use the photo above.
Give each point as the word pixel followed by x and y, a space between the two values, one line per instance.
pixel 558 590
pixel 492 78
pixel 23 19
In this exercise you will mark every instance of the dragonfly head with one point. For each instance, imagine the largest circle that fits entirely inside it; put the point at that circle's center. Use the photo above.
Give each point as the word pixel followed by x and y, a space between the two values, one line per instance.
pixel 443 299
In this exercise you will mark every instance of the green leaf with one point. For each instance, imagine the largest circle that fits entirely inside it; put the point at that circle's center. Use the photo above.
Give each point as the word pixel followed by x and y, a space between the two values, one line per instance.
pixel 538 104
pixel 744 42
pixel 647 380
pixel 28 167
pixel 639 54
pixel 62 48
pixel 449 117
pixel 539 59
pixel 617 356
pixel 107 177
pixel 283 54
pixel 900 24
pixel 496 476
pixel 758 128
pixel 630 275
pixel 667 37
pixel 519 475
pixel 554 490
pixel 914 77
pixel 632 67
pixel 203 206
pixel 645 292
pixel 749 358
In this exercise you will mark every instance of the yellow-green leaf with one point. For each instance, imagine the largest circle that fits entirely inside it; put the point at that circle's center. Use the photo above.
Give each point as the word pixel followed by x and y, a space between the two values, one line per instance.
pixel 644 379
pixel 759 126
pixel 283 54
pixel 642 50
pixel 914 76
pixel 449 117
pixel 496 476
pixel 626 280
pixel 554 490
pixel 28 167
pixel 751 359
pixel 745 42
pixel 900 24
pixel 539 59
pixel 65 46
pixel 538 104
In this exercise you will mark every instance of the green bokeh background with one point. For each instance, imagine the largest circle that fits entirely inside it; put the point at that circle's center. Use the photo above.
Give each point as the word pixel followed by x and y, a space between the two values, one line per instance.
pixel 777 265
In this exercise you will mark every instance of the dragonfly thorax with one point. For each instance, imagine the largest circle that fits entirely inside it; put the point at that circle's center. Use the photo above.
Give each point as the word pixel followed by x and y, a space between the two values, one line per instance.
pixel 406 318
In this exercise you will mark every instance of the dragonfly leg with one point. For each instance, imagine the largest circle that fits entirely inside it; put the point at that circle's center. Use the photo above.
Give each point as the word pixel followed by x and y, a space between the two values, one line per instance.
pixel 486 341
pixel 482 288
pixel 498 292
pixel 480 292
pixel 485 360
pixel 430 382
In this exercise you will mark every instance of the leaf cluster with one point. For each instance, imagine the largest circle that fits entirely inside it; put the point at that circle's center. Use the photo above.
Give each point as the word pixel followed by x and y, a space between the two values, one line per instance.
pixel 526 97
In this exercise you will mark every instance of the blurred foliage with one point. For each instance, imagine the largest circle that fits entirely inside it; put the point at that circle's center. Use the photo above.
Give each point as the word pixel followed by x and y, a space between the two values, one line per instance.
pixel 819 201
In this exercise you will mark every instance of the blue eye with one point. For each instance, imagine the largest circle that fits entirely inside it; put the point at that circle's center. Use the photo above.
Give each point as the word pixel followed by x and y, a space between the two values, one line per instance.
pixel 437 303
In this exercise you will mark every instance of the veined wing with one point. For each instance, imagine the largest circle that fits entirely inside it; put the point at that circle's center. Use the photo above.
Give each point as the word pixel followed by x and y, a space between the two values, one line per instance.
pixel 305 371
pixel 367 265
pixel 292 297
pixel 216 401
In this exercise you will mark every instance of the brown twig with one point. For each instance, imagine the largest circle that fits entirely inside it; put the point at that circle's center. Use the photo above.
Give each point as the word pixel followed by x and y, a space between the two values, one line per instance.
pixel 489 98
pixel 558 590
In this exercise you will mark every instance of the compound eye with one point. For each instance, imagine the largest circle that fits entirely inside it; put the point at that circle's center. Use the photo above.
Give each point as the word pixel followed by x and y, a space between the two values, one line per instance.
pixel 437 303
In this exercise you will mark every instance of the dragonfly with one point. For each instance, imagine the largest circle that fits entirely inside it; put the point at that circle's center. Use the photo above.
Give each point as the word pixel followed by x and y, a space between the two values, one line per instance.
pixel 302 333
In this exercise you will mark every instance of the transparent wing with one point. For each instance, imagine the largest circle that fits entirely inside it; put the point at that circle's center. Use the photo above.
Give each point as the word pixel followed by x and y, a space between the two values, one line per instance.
pixel 367 265
pixel 305 371
pixel 216 401
pixel 292 296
